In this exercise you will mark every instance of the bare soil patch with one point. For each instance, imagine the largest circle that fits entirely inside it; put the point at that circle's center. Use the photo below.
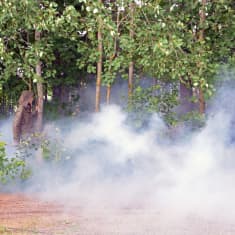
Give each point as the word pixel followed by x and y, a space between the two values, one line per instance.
pixel 26 215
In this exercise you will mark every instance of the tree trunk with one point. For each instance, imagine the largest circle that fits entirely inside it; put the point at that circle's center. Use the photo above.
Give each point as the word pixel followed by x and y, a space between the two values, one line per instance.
pixel 99 66
pixel 108 94
pixel 202 104
pixel 39 121
pixel 115 49
pixel 131 64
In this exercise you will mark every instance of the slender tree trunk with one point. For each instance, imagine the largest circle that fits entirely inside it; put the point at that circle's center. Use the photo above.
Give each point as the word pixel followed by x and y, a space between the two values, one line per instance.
pixel 131 64
pixel 115 48
pixel 108 94
pixel 99 66
pixel 39 121
pixel 202 103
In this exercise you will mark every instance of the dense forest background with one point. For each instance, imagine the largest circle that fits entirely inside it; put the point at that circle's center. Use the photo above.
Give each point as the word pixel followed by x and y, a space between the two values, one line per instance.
pixel 168 54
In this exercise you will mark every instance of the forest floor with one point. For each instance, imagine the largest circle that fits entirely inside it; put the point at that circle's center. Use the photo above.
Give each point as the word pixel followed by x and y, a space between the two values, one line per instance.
pixel 27 215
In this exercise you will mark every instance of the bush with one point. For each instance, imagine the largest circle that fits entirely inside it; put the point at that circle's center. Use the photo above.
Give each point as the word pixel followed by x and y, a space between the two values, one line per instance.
pixel 9 167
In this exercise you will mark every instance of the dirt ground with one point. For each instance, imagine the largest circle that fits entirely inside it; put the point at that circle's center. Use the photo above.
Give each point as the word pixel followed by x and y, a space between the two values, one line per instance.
pixel 22 214
pixel 26 215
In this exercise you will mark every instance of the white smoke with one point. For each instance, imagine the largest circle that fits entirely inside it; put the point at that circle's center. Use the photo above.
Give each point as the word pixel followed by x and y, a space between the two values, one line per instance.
pixel 112 165
pixel 117 166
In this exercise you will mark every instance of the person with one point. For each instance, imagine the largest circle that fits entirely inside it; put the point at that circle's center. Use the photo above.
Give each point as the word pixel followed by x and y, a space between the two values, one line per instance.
pixel 23 124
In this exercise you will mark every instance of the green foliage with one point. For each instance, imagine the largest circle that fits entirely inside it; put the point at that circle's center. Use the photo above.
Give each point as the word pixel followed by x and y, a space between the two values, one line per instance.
pixel 20 52
pixel 155 99
pixel 37 147
pixel 166 45
pixel 53 150
pixel 47 148
pixel 10 167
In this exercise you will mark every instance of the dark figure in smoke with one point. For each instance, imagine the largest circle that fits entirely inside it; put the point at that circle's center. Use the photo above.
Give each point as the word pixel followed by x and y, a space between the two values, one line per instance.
pixel 25 117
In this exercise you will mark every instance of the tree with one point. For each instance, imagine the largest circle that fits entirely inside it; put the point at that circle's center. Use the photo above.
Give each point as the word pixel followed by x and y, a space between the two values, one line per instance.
pixel 27 42
pixel 40 102
pixel 174 43
pixel 99 63
pixel 131 63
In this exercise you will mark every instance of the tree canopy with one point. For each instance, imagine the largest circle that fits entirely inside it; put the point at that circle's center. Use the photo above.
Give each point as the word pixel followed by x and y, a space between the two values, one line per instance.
pixel 170 42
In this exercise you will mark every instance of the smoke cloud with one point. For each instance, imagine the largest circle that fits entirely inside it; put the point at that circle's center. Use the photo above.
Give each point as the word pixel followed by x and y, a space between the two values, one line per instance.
pixel 110 165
